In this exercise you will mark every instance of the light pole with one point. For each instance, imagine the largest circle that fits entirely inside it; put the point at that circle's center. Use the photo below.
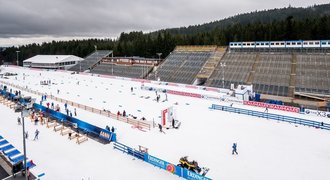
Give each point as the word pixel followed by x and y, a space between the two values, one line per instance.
pixel 24 112
pixel 159 54
pixel 223 65
pixel 112 63
pixel 17 56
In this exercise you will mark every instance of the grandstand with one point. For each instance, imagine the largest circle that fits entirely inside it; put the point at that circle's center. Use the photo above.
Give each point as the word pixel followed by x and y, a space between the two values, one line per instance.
pixel 272 75
pixel 313 74
pixel 132 71
pixel 132 67
pixel 91 60
pixel 237 69
pixel 183 64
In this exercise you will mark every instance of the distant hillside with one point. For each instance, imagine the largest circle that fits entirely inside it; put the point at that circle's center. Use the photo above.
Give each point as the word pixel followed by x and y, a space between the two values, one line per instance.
pixel 264 17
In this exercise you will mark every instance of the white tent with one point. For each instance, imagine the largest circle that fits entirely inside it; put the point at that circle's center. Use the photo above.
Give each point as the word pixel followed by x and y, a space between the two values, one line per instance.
pixel 52 61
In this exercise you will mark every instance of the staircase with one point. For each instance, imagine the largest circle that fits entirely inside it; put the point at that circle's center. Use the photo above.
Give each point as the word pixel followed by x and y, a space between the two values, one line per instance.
pixel 212 63
pixel 292 84
pixel 253 70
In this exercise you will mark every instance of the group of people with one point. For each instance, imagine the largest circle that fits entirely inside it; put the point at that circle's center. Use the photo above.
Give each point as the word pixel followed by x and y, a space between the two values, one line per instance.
pixel 112 129
pixel 121 114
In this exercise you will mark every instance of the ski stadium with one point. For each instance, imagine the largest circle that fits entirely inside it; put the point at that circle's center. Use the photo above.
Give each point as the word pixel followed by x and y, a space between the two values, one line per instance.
pixel 108 117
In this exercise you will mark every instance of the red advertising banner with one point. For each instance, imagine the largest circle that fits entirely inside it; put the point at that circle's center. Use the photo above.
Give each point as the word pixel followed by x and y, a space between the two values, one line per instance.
pixel 191 86
pixel 172 84
pixel 141 80
pixel 272 106
pixel 184 93
pixel 212 89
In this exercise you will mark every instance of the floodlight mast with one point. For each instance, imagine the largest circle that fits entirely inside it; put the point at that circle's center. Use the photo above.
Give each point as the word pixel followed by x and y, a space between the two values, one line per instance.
pixel 17 63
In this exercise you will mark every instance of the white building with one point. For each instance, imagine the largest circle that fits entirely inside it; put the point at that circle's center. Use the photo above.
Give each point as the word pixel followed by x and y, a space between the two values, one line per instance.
pixel 52 61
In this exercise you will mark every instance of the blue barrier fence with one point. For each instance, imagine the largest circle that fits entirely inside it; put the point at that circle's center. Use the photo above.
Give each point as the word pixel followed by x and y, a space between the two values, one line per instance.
pixel 176 170
pixel 271 116
pixel 84 126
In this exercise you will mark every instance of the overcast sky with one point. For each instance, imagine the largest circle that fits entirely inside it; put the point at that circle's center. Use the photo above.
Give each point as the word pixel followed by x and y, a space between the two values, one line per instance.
pixel 28 21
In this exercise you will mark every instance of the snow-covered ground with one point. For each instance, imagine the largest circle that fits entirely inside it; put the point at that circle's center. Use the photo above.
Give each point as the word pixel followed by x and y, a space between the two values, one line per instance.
pixel 267 149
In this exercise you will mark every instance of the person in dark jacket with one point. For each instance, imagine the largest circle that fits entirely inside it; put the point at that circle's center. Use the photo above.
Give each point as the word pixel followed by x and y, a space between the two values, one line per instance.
pixel 234 149
pixel 107 128
pixel 160 128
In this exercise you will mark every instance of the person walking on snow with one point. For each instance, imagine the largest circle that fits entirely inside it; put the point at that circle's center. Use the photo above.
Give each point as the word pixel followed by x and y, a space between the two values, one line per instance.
pixel 160 128
pixel 66 106
pixel 234 149
pixel 52 105
pixel 36 134
pixel 75 112
pixel 266 110
pixel 47 105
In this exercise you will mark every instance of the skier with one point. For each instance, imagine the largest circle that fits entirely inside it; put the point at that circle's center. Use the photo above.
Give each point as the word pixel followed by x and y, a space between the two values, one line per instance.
pixel 47 105
pixel 124 113
pixel 18 120
pixel 166 97
pixel 67 112
pixel 75 112
pixel 70 113
pixel 52 105
pixel 112 129
pixel 66 106
pixel 131 89
pixel 36 134
pixel 58 91
pixel 234 149
pixel 173 123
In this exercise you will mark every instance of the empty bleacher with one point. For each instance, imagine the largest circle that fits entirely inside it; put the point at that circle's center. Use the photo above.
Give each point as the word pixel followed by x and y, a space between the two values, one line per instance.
pixel 131 71
pixel 90 60
pixel 182 65
pixel 272 75
pixel 236 70
pixel 313 73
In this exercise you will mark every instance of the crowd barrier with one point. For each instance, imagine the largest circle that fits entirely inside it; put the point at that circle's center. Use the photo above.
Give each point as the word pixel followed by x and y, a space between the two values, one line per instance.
pixel 134 122
pixel 170 167
pixel 271 116
pixel 84 126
